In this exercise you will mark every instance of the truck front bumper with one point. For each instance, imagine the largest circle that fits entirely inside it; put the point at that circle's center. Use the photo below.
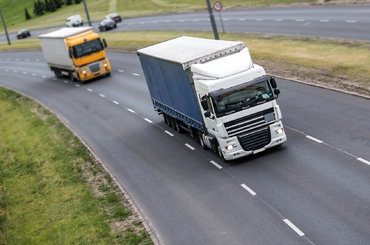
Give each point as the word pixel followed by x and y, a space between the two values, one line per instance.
pixel 232 148
pixel 96 69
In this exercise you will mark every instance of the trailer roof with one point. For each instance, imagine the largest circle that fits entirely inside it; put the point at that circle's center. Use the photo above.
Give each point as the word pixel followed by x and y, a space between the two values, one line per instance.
pixel 191 50
pixel 65 32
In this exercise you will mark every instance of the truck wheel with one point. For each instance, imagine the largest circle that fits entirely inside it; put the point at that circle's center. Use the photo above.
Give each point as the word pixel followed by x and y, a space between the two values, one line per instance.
pixel 57 73
pixel 220 153
pixel 165 118
pixel 201 141
pixel 178 127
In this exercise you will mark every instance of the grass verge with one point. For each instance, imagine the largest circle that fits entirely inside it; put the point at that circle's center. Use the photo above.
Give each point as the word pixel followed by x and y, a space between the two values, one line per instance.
pixel 52 191
pixel 337 64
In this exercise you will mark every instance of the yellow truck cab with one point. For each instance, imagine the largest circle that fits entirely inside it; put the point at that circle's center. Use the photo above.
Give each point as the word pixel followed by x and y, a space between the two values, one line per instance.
pixel 75 52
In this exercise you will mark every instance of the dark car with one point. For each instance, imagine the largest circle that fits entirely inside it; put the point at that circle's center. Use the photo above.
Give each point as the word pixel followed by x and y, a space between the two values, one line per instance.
pixel 107 24
pixel 23 34
pixel 114 16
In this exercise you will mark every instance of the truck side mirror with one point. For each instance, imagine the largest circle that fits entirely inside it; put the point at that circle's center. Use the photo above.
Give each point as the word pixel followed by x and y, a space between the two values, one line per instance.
pixel 273 82
pixel 70 52
pixel 277 92
pixel 207 114
pixel 204 103
pixel 105 43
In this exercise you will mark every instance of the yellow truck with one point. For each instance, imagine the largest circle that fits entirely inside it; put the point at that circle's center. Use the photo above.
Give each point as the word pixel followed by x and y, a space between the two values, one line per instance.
pixel 75 52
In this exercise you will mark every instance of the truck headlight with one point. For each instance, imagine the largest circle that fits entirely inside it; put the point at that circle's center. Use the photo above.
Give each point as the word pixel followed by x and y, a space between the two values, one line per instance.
pixel 83 72
pixel 230 147
pixel 279 131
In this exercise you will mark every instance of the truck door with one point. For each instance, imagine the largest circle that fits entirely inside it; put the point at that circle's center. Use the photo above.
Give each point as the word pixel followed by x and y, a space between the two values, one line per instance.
pixel 209 116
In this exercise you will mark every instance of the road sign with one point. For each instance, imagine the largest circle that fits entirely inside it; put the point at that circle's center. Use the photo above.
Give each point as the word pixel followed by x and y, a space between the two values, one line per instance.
pixel 217 6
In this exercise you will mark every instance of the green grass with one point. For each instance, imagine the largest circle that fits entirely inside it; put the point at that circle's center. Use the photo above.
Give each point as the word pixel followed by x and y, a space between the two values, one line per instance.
pixel 13 10
pixel 46 179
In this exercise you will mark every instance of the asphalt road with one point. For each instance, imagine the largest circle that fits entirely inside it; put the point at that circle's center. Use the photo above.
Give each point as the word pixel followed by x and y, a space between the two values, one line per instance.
pixel 333 22
pixel 312 190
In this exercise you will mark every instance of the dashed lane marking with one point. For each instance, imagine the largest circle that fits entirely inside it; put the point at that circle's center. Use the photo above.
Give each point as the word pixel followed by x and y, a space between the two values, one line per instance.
pixel 135 74
pixel 245 187
pixel 130 110
pixel 278 19
pixel 89 89
pixel 216 164
pixel 299 20
pixel 33 74
pixel 115 102
pixel 293 227
pixel 120 70
pixel 149 121
pixel 190 147
pixel 324 20
pixel 314 139
pixel 44 76
pixel 102 95
pixel 77 85
pixel 65 81
pixel 169 133
pixel 351 21
pixel 363 160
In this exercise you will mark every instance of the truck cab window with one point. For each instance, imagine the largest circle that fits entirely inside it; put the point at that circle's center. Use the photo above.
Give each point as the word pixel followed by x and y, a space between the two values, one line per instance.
pixel 87 48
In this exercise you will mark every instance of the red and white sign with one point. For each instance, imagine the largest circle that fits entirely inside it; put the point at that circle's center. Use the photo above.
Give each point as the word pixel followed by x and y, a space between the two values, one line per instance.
pixel 217 6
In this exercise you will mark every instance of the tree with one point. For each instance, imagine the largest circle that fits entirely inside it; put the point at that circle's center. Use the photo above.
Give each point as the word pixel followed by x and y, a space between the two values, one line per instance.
pixel 52 7
pixel 78 1
pixel 47 6
pixel 58 3
pixel 28 16
pixel 68 2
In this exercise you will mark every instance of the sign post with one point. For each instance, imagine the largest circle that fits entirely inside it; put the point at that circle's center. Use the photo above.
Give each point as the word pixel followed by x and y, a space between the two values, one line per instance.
pixel 217 6
pixel 213 22
pixel 6 31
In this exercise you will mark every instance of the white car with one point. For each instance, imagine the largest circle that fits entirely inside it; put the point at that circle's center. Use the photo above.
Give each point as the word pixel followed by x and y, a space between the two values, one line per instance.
pixel 75 20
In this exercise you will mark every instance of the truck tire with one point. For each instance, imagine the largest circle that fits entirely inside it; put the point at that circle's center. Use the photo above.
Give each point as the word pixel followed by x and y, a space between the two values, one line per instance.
pixel 57 73
pixel 220 153
pixel 201 141
pixel 71 76
pixel 165 117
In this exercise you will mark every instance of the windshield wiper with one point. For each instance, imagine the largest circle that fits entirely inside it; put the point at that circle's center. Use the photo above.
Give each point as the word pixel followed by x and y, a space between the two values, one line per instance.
pixel 229 112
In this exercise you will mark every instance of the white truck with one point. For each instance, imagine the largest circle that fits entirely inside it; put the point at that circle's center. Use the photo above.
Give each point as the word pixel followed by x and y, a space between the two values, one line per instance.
pixel 212 89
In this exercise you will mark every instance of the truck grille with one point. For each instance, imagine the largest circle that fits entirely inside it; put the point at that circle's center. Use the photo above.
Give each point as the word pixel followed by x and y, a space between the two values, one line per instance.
pixel 256 139
pixel 253 131
pixel 94 67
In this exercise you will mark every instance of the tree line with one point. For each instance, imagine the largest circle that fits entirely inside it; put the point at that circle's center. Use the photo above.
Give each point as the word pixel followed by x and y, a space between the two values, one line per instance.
pixel 41 7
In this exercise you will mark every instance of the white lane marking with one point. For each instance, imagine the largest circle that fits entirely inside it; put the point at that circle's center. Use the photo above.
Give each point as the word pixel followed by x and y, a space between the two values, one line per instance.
pixel 169 133
pixel 37 60
pixel 129 24
pixel 89 89
pixel 216 164
pixel 226 19
pixel 259 19
pixel 130 110
pixel 65 81
pixel 115 102
pixel 351 21
pixel 141 22
pixel 155 22
pixel 324 20
pixel 27 59
pixel 44 76
pixel 135 74
pixel 181 20
pixel 195 20
pixel 33 74
pixel 167 21
pixel 363 160
pixel 242 19
pixel 15 71
pixel 6 70
pixel 120 70
pixel 295 228
pixel 314 139
pixel 299 20
pixel 24 72
pixel 278 19
pixel 102 95
pixel 149 121
pixel 16 59
pixel 77 85
pixel 245 187
pixel 54 79
pixel 306 24
pixel 190 147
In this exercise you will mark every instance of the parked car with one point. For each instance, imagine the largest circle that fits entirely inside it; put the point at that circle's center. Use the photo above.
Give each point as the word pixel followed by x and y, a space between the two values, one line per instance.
pixel 23 34
pixel 74 20
pixel 114 16
pixel 107 24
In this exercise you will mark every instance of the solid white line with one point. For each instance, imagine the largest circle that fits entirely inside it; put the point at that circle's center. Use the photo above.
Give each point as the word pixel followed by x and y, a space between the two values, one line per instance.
pixel 120 70
pixel 78 85
pixel 169 133
pixel 216 164
pixel 149 121
pixel 363 160
pixel 314 139
pixel 351 21
pixel 102 95
pixel 324 20
pixel 135 74
pixel 130 110
pixel 65 81
pixel 89 89
pixel 248 189
pixel 295 228
pixel 190 147
pixel 115 102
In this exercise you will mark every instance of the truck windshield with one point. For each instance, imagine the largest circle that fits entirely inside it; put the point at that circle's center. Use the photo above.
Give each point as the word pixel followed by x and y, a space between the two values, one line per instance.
pixel 87 48
pixel 242 98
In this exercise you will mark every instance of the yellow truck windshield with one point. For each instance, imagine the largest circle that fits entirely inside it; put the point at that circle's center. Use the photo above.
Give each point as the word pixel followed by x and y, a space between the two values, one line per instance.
pixel 87 48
